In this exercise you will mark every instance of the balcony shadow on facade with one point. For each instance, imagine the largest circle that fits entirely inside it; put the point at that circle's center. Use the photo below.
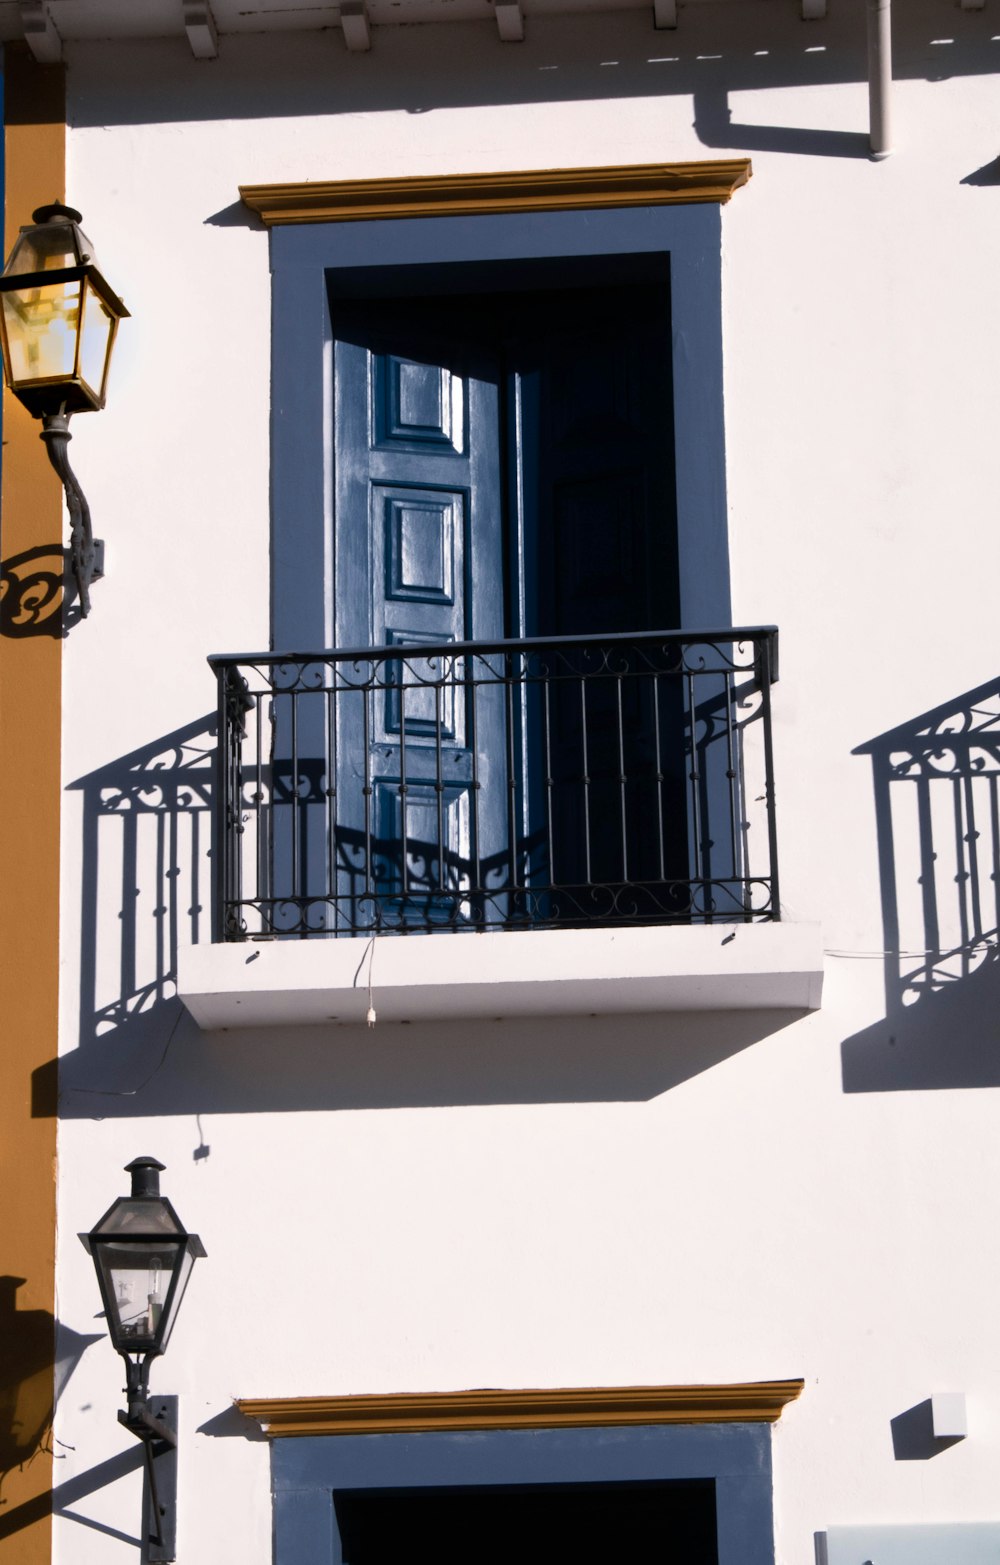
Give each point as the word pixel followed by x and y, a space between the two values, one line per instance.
pixel 937 814
pixel 147 886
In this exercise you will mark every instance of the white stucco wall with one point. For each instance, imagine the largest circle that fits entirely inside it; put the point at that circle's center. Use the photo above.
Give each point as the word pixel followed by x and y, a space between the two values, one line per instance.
pixel 690 1198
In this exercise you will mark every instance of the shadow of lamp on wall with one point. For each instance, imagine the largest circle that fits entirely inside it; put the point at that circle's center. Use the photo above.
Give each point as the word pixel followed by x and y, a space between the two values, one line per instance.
pixel 143 1257
pixel 937 816
pixel 36 1360
pixel 58 323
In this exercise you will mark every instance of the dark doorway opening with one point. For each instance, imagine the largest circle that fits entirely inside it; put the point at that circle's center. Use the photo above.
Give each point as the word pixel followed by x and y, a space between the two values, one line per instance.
pixel 671 1523
pixel 504 468
pixel 551 410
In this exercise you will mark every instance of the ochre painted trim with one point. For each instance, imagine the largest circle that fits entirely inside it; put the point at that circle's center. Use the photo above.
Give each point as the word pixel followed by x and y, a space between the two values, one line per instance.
pixel 31 520
pixel 451 195
pixel 760 1402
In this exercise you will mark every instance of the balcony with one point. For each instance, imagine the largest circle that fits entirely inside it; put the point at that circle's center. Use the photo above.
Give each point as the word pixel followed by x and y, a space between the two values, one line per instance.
pixel 579 782
pixel 563 800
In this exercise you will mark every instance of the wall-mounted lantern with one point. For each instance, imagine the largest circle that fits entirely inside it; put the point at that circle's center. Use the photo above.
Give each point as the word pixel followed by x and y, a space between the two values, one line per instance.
pixel 144 1256
pixel 57 332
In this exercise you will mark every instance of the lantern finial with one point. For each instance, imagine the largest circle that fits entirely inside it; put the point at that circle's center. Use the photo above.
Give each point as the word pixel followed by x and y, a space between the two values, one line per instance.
pixel 145 1173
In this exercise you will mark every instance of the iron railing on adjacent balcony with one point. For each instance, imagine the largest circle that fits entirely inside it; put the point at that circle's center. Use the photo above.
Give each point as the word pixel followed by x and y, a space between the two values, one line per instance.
pixel 601 780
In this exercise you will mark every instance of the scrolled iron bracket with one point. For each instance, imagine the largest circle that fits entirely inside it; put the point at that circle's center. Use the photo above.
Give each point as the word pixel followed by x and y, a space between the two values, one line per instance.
pixel 86 553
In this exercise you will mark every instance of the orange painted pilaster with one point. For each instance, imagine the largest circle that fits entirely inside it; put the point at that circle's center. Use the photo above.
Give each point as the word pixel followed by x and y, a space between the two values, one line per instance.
pixel 31 527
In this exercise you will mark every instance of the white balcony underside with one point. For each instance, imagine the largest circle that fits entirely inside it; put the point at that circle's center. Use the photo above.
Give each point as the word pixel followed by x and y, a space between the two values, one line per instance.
pixel 581 972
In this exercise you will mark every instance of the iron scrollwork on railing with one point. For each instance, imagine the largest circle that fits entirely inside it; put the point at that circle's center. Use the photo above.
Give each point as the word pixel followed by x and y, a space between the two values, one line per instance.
pixel 621 779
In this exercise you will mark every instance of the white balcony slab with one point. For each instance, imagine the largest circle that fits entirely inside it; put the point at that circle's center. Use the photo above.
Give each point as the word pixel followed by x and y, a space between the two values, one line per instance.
pixel 576 972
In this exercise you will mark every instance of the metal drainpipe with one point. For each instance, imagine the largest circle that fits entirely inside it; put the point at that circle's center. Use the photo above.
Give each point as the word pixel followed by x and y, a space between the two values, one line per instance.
pixel 879 77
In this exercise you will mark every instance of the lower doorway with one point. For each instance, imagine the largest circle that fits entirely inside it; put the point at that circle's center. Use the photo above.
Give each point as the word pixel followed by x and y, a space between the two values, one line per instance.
pixel 671 1522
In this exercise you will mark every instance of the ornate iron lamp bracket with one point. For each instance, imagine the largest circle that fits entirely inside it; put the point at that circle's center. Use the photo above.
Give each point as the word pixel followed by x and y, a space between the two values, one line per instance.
pixel 86 553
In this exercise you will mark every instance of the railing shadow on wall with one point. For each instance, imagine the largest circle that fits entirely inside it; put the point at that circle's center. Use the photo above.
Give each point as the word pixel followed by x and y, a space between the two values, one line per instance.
pixel 937 814
pixel 146 875
pixel 146 872
pixel 147 888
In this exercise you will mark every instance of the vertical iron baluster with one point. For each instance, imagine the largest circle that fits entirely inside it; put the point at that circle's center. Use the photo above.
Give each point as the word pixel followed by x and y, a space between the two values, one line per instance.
pixel 742 866
pixel 511 770
pixel 223 854
pixel 272 814
pixel 700 865
pixel 586 780
pixel 766 655
pixel 367 696
pixel 330 810
pixel 403 788
pixel 295 798
pixel 549 779
pixel 472 708
pixel 439 783
pixel 622 776
pixel 995 839
pixel 260 889
pixel 729 696
pixel 658 775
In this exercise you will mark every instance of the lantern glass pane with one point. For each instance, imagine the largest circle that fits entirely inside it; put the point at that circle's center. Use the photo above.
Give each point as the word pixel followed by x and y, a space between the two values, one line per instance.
pixel 41 328
pixel 137 1215
pixel 137 1280
pixel 185 1261
pixel 95 340
pixel 43 249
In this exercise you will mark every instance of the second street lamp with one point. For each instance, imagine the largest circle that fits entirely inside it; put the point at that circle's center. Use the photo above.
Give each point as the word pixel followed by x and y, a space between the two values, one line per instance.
pixel 143 1256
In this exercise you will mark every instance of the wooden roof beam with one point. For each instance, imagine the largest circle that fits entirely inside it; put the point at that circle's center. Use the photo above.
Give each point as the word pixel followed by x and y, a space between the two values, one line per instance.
pixel 199 24
pixel 510 20
pixel 40 32
pixel 354 24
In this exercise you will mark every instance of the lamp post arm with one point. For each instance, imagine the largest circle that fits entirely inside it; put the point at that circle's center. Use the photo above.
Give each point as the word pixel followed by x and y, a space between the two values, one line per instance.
pixel 158 1434
pixel 83 550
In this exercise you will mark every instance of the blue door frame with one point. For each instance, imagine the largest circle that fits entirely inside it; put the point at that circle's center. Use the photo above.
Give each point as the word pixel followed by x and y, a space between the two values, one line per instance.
pixel 308 1472
pixel 306 261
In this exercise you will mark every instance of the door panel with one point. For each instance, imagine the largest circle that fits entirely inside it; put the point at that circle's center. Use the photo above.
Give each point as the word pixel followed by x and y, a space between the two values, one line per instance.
pixel 418 406
pixel 418 554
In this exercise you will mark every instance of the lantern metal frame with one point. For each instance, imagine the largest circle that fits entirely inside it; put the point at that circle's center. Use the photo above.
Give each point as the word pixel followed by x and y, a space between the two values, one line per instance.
pixel 153 1421
pixel 55 398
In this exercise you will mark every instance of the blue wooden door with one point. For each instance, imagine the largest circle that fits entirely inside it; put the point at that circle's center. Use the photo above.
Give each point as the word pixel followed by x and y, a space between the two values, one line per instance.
pixel 503 467
pixel 418 563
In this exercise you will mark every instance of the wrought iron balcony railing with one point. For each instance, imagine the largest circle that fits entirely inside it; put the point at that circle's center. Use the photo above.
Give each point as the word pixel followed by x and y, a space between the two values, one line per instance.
pixel 601 780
